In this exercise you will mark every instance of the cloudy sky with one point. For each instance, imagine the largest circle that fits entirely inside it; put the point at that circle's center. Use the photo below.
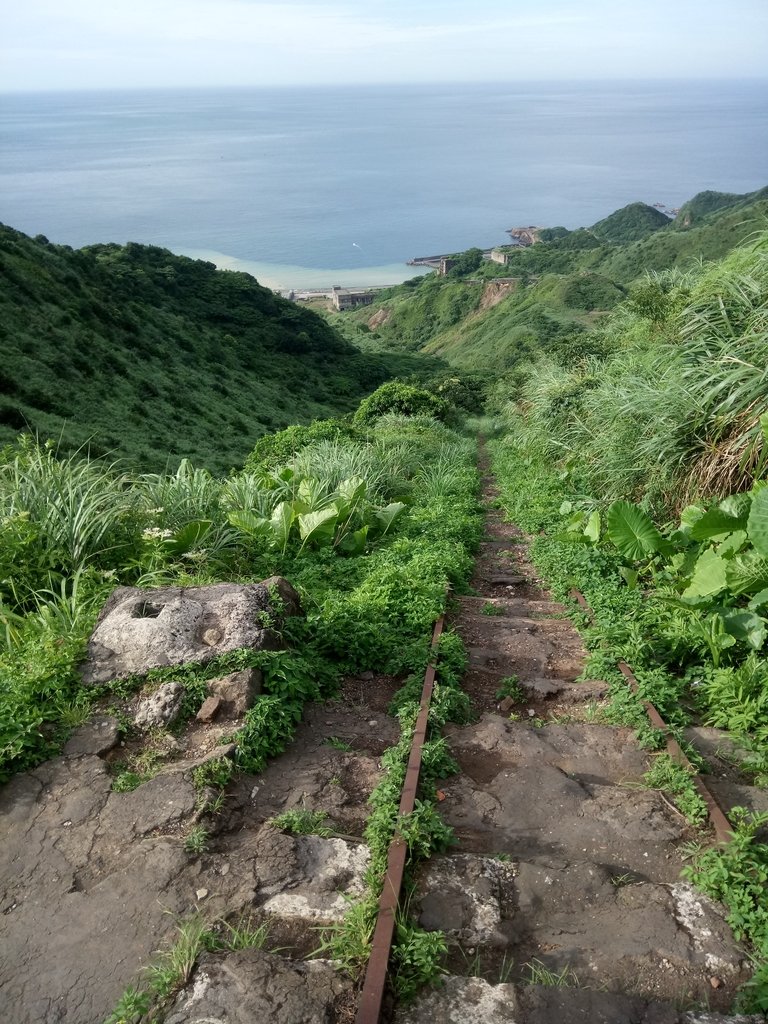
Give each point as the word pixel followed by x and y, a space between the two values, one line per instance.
pixel 95 44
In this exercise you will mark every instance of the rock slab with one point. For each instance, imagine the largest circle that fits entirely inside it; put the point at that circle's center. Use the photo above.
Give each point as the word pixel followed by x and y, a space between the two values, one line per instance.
pixel 141 629
pixel 252 986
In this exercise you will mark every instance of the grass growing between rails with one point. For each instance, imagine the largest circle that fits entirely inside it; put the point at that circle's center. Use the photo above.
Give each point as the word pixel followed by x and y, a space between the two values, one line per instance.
pixel 365 608
pixel 417 955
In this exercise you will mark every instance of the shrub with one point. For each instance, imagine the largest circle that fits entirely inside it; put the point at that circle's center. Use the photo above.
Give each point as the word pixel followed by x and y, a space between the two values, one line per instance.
pixel 397 397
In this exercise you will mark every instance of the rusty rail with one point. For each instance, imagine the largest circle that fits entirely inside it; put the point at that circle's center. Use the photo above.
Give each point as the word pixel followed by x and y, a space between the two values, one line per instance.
pixel 717 817
pixel 369 1006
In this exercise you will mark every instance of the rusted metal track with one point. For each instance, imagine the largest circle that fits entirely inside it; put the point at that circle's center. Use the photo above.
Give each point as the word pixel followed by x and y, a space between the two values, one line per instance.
pixel 717 817
pixel 369 1006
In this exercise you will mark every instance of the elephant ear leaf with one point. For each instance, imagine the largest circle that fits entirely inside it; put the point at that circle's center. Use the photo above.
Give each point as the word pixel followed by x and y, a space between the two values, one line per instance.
pixel 354 543
pixel 746 627
pixel 716 523
pixel 249 522
pixel 757 524
pixel 353 489
pixel 709 575
pixel 318 527
pixel 385 517
pixel 633 532
pixel 592 529
pixel 280 524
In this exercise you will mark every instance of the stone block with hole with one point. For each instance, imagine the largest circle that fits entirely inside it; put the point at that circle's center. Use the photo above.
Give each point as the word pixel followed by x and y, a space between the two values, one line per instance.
pixel 139 630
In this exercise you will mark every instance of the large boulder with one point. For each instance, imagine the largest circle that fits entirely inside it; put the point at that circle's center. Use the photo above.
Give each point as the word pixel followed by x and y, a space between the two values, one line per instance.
pixel 140 629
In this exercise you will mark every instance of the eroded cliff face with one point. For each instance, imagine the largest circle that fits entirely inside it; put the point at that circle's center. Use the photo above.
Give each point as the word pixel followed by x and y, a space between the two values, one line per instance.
pixel 496 291
pixel 379 318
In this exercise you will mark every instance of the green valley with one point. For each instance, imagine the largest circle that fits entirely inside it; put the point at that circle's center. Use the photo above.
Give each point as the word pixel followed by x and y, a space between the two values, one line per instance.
pixel 138 353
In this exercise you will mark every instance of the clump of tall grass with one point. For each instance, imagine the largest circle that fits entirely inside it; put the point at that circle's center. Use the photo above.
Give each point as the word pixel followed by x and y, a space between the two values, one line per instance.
pixel 331 462
pixel 80 508
pixel 171 500
pixel 680 408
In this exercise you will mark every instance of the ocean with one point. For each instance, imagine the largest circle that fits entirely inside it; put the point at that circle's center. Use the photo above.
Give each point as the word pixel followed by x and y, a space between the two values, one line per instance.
pixel 312 187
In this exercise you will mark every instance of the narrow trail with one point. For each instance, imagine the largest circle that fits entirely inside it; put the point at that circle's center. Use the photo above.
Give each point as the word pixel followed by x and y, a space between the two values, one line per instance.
pixel 562 899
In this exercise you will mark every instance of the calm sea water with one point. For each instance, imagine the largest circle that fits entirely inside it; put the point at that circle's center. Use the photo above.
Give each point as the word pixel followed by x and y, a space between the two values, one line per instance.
pixel 342 185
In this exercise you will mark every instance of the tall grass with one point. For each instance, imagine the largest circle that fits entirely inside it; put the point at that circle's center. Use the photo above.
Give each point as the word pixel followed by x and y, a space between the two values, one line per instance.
pixel 171 500
pixel 78 509
pixel 676 410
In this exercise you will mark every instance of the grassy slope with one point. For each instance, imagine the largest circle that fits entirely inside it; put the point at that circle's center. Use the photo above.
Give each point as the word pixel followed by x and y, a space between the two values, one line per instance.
pixel 153 356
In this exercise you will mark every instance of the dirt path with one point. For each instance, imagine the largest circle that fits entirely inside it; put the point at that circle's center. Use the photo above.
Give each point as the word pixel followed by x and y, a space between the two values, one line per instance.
pixel 566 872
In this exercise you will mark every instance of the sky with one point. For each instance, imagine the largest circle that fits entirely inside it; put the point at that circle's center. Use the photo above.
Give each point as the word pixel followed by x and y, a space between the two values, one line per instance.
pixel 102 44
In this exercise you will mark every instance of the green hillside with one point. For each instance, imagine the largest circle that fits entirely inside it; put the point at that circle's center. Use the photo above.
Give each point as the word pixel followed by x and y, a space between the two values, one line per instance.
pixel 630 224
pixel 705 203
pixel 135 351
pixel 557 290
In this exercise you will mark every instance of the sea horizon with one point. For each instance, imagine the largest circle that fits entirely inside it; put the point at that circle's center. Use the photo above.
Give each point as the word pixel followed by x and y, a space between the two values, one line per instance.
pixel 311 187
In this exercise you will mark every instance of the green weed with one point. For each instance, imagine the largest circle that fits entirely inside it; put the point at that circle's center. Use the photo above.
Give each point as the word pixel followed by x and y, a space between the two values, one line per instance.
pixel 302 822
pixel 489 608
pixel 540 974
pixel 670 777
pixel 510 687
pixel 737 875
pixel 338 744
pixel 196 840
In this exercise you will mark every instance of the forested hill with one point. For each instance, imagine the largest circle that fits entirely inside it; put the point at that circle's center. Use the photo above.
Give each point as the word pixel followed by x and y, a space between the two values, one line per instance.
pixel 140 353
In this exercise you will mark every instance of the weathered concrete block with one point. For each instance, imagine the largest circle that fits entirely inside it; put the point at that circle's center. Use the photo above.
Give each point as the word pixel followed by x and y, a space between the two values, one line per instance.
pixel 139 630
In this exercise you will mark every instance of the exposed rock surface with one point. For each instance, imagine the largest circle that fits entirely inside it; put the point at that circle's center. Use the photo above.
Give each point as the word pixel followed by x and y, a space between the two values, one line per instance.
pixel 94 882
pixel 160 708
pixel 253 987
pixel 476 1001
pixel 96 737
pixel 237 691
pixel 139 629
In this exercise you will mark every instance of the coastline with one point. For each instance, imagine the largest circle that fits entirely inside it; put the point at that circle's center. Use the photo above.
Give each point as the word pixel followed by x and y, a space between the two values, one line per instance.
pixel 286 277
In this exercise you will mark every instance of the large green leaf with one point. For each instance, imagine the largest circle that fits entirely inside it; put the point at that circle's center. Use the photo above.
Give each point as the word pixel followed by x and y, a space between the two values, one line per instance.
pixel 690 515
pixel 354 543
pixel 708 576
pixel 188 537
pixel 633 532
pixel 747 573
pixel 757 524
pixel 311 494
pixel 737 505
pixel 353 489
pixel 732 544
pixel 249 522
pixel 385 517
pixel 318 527
pixel 281 522
pixel 746 627
pixel 592 529
pixel 716 523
